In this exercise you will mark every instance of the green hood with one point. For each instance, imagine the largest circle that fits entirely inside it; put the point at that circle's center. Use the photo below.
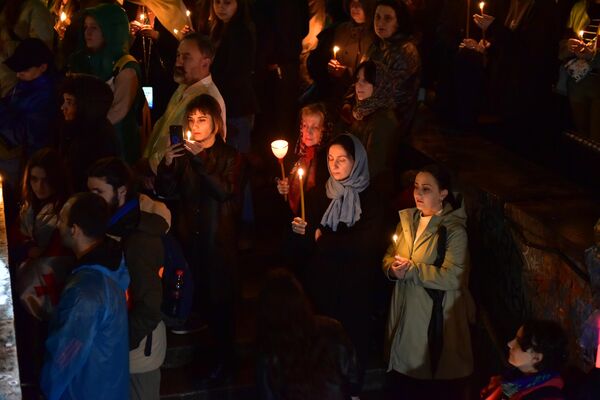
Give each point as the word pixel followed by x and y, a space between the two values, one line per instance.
pixel 114 25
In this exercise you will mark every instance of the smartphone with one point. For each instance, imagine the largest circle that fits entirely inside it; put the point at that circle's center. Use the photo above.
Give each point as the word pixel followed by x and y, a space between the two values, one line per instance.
pixel 176 134
pixel 149 94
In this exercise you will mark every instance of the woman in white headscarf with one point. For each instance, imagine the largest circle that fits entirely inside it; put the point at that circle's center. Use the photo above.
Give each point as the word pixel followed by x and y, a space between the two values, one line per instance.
pixel 342 223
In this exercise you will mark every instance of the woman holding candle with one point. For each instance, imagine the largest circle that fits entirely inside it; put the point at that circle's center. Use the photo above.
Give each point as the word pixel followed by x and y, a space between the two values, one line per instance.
pixel 536 355
pixel 332 70
pixel 204 174
pixel 428 342
pixel 396 50
pixel 311 156
pixel 342 230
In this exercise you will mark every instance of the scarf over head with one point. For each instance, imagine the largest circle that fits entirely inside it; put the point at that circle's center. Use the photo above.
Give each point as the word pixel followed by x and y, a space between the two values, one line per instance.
pixel 382 97
pixel 114 25
pixel 344 195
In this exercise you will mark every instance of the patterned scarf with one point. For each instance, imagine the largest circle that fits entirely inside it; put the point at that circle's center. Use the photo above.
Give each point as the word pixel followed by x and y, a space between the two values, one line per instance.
pixel 382 97
pixel 511 387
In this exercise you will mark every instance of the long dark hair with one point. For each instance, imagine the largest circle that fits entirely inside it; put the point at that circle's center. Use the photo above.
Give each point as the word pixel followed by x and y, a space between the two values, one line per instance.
pixel 444 181
pixel 217 27
pixel 50 161
pixel 298 365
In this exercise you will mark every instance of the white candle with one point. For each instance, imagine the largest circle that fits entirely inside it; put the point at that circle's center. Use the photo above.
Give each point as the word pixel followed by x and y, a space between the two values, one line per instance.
pixel 189 135
pixel 300 175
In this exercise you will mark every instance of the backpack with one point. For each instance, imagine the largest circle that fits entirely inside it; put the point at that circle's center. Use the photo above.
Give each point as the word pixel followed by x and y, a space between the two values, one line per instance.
pixel 174 260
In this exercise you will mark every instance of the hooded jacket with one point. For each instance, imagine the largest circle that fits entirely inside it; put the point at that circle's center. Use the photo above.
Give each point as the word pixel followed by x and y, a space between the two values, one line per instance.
pixel 139 224
pixel 411 306
pixel 113 64
pixel 86 349
pixel 26 117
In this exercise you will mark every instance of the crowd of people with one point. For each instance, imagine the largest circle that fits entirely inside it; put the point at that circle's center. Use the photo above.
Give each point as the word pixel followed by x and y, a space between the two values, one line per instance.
pixel 127 137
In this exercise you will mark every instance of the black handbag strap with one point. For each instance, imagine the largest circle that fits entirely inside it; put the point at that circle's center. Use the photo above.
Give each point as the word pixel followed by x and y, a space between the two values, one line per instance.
pixel 435 330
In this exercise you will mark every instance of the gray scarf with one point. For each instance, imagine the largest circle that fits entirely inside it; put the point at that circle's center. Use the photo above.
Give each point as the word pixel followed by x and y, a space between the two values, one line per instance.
pixel 344 195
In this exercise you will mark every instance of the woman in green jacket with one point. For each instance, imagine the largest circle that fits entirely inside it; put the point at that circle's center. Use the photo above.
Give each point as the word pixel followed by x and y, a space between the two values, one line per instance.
pixel 428 328
pixel 104 52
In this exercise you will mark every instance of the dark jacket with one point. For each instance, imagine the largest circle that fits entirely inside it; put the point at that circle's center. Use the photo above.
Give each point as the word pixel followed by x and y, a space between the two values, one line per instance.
pixel 380 135
pixel 341 266
pixel 140 234
pixel 524 62
pixel 281 26
pixel 401 56
pixel 208 188
pixel 26 116
pixel 233 68
pixel 329 338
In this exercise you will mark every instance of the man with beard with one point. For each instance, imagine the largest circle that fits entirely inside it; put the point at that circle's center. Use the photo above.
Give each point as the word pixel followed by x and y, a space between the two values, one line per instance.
pixel 86 349
pixel 138 222
pixel 192 72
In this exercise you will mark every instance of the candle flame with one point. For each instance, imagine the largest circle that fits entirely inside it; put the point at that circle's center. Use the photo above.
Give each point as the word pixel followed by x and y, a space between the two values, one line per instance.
pixel 300 172
pixel 176 31
pixel 395 238
pixel 63 16
pixel 335 49
pixel 142 17
pixel 581 34
pixel 481 6
pixel 188 13
pixel 189 135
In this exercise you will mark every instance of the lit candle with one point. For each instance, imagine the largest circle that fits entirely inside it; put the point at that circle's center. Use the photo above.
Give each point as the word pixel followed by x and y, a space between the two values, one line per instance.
pixel 176 31
pixel 335 51
pixel 189 135
pixel 481 6
pixel 581 34
pixel 280 149
pixel 142 17
pixel 395 238
pixel 188 13
pixel 63 16
pixel 300 175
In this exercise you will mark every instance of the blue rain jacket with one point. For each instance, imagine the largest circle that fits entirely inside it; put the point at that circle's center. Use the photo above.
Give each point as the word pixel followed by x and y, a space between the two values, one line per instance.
pixel 87 350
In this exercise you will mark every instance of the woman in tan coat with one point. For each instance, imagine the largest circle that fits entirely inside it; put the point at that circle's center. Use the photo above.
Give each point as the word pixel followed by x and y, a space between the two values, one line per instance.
pixel 428 340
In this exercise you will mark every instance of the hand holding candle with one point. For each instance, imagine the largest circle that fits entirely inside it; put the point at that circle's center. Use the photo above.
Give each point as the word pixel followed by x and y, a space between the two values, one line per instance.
pixel 301 175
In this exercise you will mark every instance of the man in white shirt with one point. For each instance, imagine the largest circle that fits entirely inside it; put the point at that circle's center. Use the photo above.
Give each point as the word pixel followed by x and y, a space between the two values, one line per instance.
pixel 192 72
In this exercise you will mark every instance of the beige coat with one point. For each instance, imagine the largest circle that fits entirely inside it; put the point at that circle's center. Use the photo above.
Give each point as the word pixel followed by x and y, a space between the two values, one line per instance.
pixel 410 311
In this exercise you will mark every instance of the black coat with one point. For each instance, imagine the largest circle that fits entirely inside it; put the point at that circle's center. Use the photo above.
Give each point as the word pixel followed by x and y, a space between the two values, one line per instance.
pixel 342 266
pixel 82 144
pixel 208 188
pixel 233 68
